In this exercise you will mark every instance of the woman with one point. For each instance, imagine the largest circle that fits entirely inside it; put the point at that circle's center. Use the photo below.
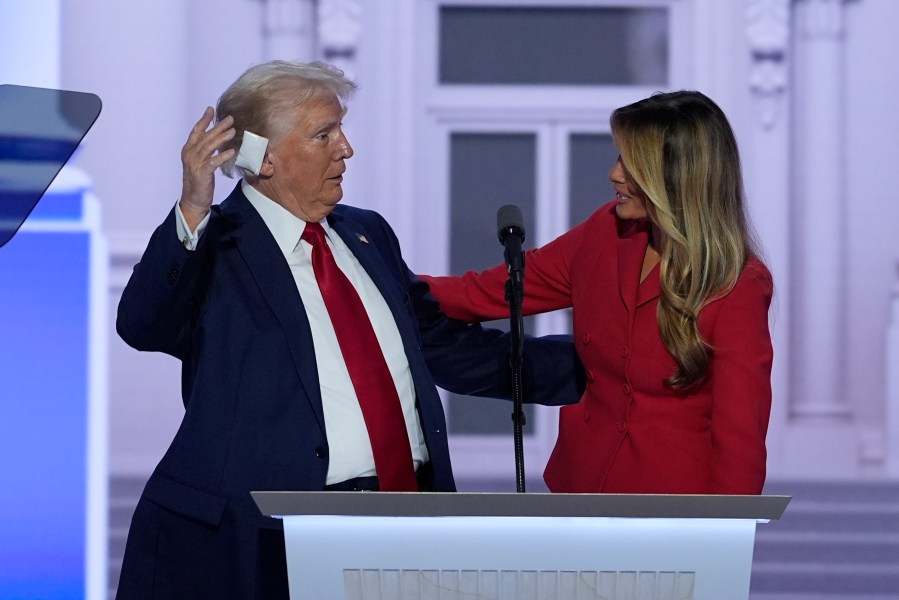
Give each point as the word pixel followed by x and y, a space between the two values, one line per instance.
pixel 670 304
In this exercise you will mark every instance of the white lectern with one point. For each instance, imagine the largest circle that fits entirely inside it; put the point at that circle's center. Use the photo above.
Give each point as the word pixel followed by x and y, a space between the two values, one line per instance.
pixel 461 546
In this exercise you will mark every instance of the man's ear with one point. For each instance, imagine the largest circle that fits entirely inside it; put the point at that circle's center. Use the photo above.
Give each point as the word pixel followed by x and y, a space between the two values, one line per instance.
pixel 267 168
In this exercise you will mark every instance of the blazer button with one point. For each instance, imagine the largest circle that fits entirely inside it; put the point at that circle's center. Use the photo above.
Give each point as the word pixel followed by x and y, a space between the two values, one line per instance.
pixel 626 389
pixel 590 375
pixel 624 351
pixel 622 426
pixel 586 338
pixel 321 452
pixel 173 272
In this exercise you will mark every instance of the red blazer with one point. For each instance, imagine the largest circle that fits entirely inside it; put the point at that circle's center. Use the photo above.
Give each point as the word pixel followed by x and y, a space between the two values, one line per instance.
pixel 629 433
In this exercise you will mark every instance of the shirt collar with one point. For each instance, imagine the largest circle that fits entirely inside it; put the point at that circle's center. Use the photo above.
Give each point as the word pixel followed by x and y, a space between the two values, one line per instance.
pixel 284 225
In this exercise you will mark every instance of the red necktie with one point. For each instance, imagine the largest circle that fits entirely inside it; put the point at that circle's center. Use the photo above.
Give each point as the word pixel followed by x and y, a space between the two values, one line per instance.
pixel 368 370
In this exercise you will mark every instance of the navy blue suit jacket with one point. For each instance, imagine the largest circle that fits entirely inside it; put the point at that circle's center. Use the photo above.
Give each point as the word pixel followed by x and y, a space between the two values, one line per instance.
pixel 230 311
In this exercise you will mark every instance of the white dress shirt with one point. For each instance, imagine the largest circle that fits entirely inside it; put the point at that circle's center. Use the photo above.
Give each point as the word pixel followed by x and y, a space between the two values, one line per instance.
pixel 350 453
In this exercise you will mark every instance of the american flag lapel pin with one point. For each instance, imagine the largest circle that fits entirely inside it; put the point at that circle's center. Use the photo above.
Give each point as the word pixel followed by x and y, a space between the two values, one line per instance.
pixel 362 238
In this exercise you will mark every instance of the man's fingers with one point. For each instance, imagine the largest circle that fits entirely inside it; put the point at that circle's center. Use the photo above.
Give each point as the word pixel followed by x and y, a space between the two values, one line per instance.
pixel 218 129
pixel 204 121
pixel 225 123
pixel 201 133
pixel 221 158
pixel 205 145
pixel 203 155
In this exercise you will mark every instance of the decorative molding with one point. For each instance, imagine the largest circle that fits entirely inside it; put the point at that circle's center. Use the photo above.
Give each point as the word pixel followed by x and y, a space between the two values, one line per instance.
pixel 339 30
pixel 289 29
pixel 821 19
pixel 768 31
pixel 541 585
pixel 283 17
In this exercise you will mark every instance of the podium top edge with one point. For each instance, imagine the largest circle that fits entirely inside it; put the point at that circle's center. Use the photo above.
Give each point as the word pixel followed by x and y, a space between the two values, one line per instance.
pixel 462 504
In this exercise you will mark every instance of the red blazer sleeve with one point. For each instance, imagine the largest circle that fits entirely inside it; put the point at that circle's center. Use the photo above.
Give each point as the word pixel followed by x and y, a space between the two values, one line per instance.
pixel 481 296
pixel 740 374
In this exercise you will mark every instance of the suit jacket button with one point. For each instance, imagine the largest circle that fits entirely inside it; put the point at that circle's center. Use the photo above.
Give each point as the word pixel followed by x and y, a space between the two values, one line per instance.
pixel 622 426
pixel 321 452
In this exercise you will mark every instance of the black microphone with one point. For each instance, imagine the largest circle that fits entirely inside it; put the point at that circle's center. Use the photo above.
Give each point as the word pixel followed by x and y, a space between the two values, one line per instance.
pixel 510 229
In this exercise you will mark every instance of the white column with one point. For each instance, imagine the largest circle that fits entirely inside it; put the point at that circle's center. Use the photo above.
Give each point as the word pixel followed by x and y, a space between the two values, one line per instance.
pixel 767 174
pixel 290 30
pixel 818 268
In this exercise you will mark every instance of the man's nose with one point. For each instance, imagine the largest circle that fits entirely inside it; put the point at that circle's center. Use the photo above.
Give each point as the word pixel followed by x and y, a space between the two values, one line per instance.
pixel 344 149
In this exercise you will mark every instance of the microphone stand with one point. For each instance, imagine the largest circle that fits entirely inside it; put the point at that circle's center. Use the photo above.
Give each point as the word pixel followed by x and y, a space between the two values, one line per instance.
pixel 514 296
pixel 510 230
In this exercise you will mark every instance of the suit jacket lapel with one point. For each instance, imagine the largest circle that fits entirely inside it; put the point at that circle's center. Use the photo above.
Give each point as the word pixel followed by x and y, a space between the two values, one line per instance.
pixel 631 251
pixel 630 259
pixel 650 288
pixel 362 243
pixel 272 275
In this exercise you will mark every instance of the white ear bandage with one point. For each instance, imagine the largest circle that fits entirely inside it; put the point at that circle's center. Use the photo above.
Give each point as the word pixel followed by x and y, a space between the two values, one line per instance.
pixel 252 151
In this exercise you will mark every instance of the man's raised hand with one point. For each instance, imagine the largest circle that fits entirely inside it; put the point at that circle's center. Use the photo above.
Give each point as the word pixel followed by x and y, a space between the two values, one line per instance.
pixel 200 157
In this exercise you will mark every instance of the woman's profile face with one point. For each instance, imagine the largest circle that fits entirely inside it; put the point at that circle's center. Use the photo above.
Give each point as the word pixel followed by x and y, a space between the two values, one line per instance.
pixel 631 202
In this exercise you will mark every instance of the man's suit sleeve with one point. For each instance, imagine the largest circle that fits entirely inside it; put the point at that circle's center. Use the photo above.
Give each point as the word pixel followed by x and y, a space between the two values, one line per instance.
pixel 159 302
pixel 469 359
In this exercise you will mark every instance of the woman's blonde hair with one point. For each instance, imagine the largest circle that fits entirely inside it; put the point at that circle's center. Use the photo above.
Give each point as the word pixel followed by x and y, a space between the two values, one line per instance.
pixel 679 149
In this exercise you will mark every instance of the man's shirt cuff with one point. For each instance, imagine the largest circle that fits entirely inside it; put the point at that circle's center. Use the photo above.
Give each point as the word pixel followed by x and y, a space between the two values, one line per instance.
pixel 188 238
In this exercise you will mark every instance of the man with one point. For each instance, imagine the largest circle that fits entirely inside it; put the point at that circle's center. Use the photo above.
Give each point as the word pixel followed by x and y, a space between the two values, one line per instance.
pixel 269 301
